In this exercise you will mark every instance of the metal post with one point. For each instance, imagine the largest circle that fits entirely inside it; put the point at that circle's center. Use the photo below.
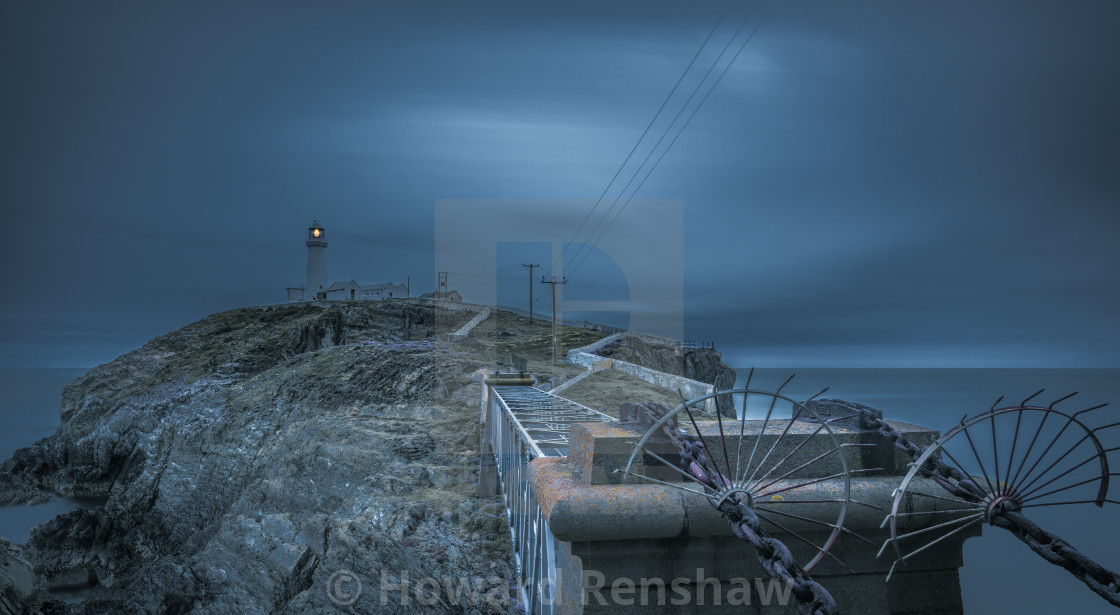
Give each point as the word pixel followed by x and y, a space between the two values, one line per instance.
pixel 555 331
pixel 530 290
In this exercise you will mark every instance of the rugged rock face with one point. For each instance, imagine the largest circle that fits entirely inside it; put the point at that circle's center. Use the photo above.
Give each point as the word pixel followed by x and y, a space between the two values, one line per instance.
pixel 267 461
pixel 702 364
pixel 17 581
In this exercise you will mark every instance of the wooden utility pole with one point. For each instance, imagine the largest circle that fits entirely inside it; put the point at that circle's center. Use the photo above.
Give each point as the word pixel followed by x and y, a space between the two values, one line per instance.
pixel 530 290
pixel 555 331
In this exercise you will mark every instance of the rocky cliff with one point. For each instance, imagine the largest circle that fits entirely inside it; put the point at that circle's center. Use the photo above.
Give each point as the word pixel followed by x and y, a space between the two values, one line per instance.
pixel 251 461
pixel 702 364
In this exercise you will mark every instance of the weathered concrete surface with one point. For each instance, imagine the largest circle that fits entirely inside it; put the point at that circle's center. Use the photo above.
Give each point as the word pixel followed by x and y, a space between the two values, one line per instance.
pixel 598 449
pixel 575 511
pixel 578 510
pixel 250 456
pixel 629 532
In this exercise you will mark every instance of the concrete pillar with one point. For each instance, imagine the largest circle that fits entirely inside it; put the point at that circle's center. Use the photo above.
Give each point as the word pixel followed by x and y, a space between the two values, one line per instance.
pixel 630 536
pixel 488 484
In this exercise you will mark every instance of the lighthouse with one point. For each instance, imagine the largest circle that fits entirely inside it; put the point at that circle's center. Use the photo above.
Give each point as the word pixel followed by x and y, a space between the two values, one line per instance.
pixel 316 261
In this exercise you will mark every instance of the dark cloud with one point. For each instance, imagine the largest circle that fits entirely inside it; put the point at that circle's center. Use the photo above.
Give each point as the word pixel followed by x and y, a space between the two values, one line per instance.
pixel 870 182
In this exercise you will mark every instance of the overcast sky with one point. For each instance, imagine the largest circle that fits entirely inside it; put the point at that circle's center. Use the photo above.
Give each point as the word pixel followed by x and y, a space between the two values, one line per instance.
pixel 871 183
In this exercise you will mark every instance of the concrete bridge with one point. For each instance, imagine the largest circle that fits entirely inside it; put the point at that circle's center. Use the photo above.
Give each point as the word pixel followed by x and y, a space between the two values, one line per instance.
pixel 588 542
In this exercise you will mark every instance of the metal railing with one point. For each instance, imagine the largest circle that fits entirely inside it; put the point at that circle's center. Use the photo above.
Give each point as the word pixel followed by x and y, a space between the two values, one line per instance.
pixel 523 424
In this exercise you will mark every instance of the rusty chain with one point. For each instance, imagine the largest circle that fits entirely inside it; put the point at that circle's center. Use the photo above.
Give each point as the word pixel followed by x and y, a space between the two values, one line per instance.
pixel 773 555
pixel 1053 549
pixel 951 479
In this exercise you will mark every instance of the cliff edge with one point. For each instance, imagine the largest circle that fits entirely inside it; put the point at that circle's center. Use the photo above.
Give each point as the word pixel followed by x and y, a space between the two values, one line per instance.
pixel 248 457
pixel 287 459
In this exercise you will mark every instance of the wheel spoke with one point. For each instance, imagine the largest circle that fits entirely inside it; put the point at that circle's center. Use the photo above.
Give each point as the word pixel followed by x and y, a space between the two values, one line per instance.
pixel 831 501
pixel 742 423
pixel 722 440
pixel 1069 421
pixel 995 450
pixel 1026 456
pixel 1067 487
pixel 819 548
pixel 792 452
pixel 1059 477
pixel 800 467
pixel 978 515
pixel 773 446
pixel 1014 444
pixel 975 454
pixel 940 497
pixel 774 479
pixel 674 466
pixel 699 435
pixel 959 529
pixel 816 522
pixel 960 467
pixel 762 432
pixel 667 484
pixel 1052 465
pixel 1067 502
pixel 934 512
pixel 815 481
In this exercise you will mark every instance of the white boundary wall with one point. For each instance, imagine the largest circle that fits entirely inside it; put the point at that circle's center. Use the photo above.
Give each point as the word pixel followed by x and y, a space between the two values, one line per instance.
pixel 691 389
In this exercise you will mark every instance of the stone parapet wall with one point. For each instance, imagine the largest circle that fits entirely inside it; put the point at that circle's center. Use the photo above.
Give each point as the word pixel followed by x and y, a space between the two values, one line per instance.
pixel 482 315
pixel 690 389
pixel 618 535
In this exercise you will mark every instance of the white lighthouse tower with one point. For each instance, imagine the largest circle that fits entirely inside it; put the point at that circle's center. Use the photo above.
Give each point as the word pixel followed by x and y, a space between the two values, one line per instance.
pixel 316 261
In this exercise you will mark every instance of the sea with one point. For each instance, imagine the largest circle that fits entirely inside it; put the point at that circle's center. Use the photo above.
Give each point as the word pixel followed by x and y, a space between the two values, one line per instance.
pixel 1000 574
pixel 29 409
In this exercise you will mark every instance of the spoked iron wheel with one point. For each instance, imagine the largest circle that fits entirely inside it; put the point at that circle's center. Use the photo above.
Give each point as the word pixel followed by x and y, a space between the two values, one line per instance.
pixel 778 456
pixel 1013 459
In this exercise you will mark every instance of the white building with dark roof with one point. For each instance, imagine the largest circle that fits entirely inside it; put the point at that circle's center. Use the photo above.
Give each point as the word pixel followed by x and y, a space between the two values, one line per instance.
pixel 340 291
pixel 316 287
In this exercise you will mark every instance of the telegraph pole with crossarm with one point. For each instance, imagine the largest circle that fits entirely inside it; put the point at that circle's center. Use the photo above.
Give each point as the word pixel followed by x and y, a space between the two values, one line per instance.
pixel 530 290
pixel 555 331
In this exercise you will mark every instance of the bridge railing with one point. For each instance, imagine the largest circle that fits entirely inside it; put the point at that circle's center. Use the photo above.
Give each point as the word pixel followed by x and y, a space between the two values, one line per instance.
pixel 523 424
pixel 534 546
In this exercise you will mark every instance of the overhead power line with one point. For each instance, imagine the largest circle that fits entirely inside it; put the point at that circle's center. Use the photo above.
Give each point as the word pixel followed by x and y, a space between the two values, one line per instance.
pixel 704 99
pixel 644 133
pixel 699 84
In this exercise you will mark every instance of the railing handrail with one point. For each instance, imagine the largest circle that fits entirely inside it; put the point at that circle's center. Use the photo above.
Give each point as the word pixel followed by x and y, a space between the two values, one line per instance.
pixel 520 428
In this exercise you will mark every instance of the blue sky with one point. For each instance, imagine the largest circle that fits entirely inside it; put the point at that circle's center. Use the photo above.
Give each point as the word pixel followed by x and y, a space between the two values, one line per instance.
pixel 870 184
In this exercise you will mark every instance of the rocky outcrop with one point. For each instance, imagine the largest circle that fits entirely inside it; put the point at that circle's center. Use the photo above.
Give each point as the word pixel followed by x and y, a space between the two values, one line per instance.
pixel 269 461
pixel 702 364
pixel 17 581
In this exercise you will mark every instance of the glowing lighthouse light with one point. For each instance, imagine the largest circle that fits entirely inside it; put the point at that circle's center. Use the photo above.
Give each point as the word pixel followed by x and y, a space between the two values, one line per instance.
pixel 316 261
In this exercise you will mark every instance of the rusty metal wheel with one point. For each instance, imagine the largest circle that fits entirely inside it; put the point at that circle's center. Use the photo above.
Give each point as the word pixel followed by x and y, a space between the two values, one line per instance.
pixel 1061 463
pixel 777 456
